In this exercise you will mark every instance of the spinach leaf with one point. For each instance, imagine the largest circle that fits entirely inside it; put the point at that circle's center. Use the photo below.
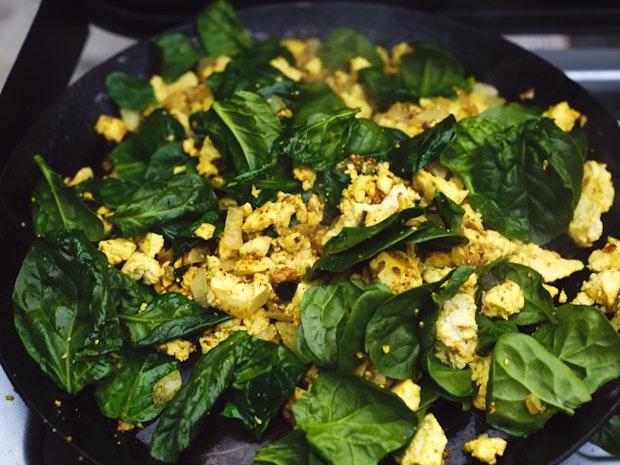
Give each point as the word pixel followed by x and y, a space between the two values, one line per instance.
pixel 450 212
pixel 430 71
pixel 56 206
pixel 63 311
pixel 245 365
pixel 367 138
pixel 220 30
pixel 415 153
pixel 292 449
pixel 251 71
pixel 342 45
pixel 183 231
pixel 383 89
pixel 538 302
pixel 355 245
pixel 315 97
pixel 489 330
pixel 333 320
pixel 262 384
pixel 318 144
pixel 164 160
pixel 452 381
pixel 243 129
pixel 127 294
pixel 128 92
pixel 584 339
pixel 159 202
pixel 167 317
pixel 608 437
pixel 517 170
pixel 352 422
pixel 128 393
pixel 178 55
pixel 522 367
pixel 329 186
pixel 391 340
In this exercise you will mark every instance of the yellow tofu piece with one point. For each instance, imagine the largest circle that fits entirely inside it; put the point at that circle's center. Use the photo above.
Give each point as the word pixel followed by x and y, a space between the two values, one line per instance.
pixel 396 270
pixel 151 244
pixel 305 175
pixel 206 159
pixel 427 184
pixel 237 297
pixel 83 174
pixel 409 392
pixel 597 196
pixel 486 449
pixel 563 116
pixel 285 68
pixel 358 63
pixel 141 267
pixel 117 250
pixel 480 367
pixel 503 300
pixel 178 348
pixel 428 444
pixel 258 247
pixel 548 263
pixel 113 129
pixel 213 336
pixel 603 288
pixel 205 231
pixel 457 331
pixel 607 258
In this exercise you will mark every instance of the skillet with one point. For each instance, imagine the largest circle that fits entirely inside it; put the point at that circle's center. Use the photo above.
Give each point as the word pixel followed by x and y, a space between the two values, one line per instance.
pixel 64 135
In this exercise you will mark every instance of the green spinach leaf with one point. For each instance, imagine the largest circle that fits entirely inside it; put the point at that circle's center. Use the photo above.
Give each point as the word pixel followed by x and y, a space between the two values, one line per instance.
pixel 384 89
pixel 522 367
pixel 367 138
pixel 128 393
pixel 292 449
pixel 167 317
pixel 608 437
pixel 129 93
pixel 489 330
pixel 178 55
pixel 159 202
pixel 63 309
pixel 56 207
pixel 584 339
pixel 345 43
pixel 315 97
pixel 220 30
pixel 164 160
pixel 350 421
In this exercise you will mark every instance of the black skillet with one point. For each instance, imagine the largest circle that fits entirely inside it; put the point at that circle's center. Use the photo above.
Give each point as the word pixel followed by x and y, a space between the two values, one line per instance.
pixel 64 134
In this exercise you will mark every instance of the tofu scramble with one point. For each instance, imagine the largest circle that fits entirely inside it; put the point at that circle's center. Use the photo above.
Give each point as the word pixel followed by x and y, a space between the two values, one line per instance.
pixel 310 216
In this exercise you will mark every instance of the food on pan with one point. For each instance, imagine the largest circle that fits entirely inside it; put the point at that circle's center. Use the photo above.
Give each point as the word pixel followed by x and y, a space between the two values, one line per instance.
pixel 329 231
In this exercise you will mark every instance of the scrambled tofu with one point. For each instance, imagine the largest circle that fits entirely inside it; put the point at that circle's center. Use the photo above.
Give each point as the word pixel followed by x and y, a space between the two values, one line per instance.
pixel 428 184
pixel 548 263
pixel 141 267
pixel 257 247
pixel 456 331
pixel 480 367
pixel 486 449
pixel 277 214
pixel 607 258
pixel 563 116
pixel 601 288
pixel 305 175
pixel 597 196
pixel 351 92
pixel 237 297
pixel 213 336
pixel 428 444
pixel 232 237
pixel 205 231
pixel 83 174
pixel 117 250
pixel 285 68
pixel 409 392
pixel 113 129
pixel 503 300
pixel 151 244
pixel 396 270
pixel 178 348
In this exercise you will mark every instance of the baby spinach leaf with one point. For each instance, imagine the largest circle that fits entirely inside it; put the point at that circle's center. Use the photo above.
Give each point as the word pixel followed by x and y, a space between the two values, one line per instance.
pixel 384 89
pixel 167 317
pixel 315 97
pixel 391 340
pixel 415 153
pixel 245 365
pixel 183 229
pixel 220 30
pixel 349 421
pixel 243 128
pixel 164 160
pixel 128 393
pixel 56 206
pixel 329 186
pixel 538 302
pixel 128 92
pixel 251 71
pixel 333 319
pixel 521 367
pixel 127 294
pixel 342 45
pixel 584 339
pixel 608 437
pixel 292 449
pixel 63 311
pixel 367 138
pixel 319 144
pixel 489 329
pixel 262 384
pixel 178 55
pixel 159 202
pixel 452 381
pixel 517 169
pixel 450 212
pixel 430 71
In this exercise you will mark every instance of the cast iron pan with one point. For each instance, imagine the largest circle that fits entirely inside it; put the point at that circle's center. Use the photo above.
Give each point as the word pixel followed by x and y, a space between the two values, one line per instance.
pixel 64 135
